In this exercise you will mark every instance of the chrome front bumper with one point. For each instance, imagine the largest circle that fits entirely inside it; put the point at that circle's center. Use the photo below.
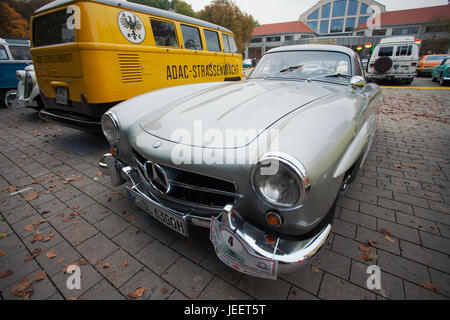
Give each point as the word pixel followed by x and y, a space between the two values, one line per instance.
pixel 267 259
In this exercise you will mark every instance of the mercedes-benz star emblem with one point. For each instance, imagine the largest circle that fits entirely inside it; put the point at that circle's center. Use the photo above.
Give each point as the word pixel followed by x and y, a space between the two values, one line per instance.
pixel 157 177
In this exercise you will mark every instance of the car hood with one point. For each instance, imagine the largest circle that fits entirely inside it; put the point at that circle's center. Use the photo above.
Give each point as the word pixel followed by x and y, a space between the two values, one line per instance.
pixel 252 106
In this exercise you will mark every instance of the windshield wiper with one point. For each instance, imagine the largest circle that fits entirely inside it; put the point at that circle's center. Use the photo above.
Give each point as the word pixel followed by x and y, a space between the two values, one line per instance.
pixel 332 75
pixel 291 68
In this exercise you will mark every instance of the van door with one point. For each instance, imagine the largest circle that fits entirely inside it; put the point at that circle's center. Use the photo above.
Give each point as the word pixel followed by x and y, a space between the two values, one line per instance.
pixel 233 60
pixel 405 59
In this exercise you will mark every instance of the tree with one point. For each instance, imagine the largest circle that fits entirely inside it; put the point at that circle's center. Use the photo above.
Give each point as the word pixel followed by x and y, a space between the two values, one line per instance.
pixel 226 14
pixel 182 7
pixel 12 25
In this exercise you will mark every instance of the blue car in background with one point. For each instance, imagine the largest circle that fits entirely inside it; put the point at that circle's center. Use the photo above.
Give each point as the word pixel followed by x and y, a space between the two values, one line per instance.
pixel 14 55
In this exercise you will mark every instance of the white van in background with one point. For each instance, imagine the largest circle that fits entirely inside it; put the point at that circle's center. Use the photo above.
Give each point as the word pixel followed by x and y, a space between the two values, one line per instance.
pixel 395 58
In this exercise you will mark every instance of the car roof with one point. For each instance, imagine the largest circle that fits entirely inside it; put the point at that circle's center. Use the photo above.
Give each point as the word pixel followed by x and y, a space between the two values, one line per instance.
pixel 142 8
pixel 314 47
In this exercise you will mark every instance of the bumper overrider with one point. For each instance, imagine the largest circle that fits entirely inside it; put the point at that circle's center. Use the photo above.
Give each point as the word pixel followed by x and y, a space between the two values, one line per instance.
pixel 238 243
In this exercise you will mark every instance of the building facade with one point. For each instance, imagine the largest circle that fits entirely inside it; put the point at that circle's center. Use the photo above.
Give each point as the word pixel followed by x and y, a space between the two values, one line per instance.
pixel 268 36
pixel 339 17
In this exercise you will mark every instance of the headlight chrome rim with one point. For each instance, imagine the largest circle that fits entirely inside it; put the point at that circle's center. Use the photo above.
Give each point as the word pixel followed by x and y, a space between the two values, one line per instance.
pixel 113 118
pixel 298 169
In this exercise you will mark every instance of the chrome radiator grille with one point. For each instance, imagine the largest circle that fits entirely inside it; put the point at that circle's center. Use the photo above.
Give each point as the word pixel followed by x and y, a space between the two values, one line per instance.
pixel 185 187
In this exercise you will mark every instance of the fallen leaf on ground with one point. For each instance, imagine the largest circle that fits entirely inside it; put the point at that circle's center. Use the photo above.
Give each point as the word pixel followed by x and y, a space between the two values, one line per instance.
pixel 12 189
pixel 164 290
pixel 2 253
pixel 364 248
pixel 138 293
pixel 98 262
pixel 389 239
pixel 99 174
pixel 82 263
pixel 430 286
pixel 132 218
pixel 384 231
pixel 106 265
pixel 125 263
pixel 398 166
pixel 51 254
pixel 76 207
pixel 60 260
pixel 372 243
pixel 369 256
pixel 6 273
pixel 22 289
pixel 314 269
pixel 2 235
pixel 31 196
pixel 28 227
pixel 40 276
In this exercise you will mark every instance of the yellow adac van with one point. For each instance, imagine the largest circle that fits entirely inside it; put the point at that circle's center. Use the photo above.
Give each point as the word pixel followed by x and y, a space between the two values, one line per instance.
pixel 91 55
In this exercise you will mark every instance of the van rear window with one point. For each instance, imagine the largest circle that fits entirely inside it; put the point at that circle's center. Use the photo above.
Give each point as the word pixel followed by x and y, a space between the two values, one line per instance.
pixel 164 33
pixel 404 50
pixel 52 29
pixel 191 36
pixel 385 51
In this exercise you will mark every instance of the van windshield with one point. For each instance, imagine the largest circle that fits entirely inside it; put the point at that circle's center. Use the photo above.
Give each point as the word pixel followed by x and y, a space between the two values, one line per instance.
pixel 386 51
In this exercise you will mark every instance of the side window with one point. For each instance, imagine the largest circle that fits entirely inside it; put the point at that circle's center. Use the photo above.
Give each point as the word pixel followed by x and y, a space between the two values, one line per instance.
pixel 212 41
pixel 3 54
pixel 20 52
pixel 191 36
pixel 229 44
pixel 164 33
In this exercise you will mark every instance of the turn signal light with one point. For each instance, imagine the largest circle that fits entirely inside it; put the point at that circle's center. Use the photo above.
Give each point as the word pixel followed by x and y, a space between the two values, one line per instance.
pixel 273 219
pixel 270 239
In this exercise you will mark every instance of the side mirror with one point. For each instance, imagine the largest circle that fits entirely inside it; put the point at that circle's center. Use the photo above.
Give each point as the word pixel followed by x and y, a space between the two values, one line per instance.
pixel 357 81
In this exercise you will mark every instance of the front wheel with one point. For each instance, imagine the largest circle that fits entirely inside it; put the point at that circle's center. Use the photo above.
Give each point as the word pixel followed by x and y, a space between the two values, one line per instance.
pixel 2 98
pixel 442 82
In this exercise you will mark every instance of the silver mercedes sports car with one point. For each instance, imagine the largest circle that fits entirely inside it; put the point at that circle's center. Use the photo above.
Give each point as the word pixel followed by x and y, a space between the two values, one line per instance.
pixel 259 162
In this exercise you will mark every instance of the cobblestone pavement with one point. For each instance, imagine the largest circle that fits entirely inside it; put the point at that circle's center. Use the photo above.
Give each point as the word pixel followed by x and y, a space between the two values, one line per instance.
pixel 56 209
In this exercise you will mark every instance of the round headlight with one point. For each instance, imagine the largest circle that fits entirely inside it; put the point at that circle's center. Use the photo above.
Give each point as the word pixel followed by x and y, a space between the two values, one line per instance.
pixel 281 181
pixel 110 127
pixel 19 75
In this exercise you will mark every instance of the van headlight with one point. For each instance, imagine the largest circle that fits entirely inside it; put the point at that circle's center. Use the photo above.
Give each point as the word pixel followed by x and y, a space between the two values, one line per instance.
pixel 20 75
pixel 281 181
pixel 110 127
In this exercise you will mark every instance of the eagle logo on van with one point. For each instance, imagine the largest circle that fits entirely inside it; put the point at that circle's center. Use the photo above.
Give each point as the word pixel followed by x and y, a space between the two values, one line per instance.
pixel 131 27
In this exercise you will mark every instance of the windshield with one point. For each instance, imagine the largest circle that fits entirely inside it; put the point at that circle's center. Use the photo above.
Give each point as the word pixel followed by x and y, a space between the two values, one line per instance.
pixel 20 52
pixel 436 58
pixel 303 65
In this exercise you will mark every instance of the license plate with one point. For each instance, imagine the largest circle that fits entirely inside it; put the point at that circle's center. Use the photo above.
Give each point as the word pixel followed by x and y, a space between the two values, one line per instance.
pixel 231 250
pixel 169 219
pixel 61 96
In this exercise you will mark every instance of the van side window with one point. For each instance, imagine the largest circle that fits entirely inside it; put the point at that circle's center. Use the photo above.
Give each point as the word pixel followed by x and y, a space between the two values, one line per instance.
pixel 3 54
pixel 20 52
pixel 164 33
pixel 385 51
pixel 228 44
pixel 212 41
pixel 191 36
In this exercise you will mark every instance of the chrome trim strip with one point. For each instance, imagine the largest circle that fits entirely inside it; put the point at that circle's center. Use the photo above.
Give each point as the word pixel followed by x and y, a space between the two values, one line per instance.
pixel 203 189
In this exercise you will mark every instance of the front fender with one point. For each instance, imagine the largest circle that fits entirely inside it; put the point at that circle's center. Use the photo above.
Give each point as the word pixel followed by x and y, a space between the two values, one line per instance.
pixel 356 148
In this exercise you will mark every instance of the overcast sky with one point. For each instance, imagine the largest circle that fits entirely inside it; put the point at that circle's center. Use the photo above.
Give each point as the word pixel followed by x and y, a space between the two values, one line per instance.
pixel 273 11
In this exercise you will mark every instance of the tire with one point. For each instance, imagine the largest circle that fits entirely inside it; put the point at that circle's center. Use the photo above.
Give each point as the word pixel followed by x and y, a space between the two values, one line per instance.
pixel 2 98
pixel 383 64
pixel 433 78
pixel 442 82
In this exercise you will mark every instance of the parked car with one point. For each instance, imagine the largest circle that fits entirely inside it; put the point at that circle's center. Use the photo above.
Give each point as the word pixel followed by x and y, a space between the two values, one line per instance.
pixel 28 89
pixel 259 162
pixel 428 62
pixel 14 55
pixel 442 72
pixel 394 58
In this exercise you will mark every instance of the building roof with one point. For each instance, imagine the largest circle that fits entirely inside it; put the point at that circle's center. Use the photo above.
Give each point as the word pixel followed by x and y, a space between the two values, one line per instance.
pixel 411 16
pixel 283 27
